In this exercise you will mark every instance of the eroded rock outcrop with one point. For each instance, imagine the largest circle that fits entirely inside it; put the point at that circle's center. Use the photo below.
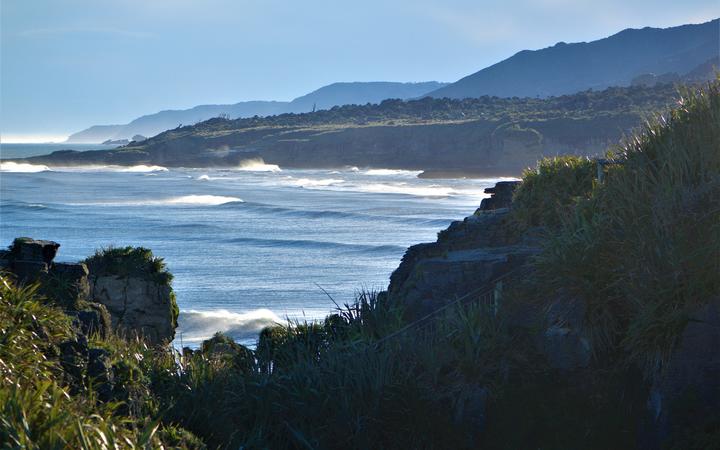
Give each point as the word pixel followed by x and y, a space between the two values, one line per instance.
pixel 135 288
pixel 126 290
pixel 466 257
pixel 137 305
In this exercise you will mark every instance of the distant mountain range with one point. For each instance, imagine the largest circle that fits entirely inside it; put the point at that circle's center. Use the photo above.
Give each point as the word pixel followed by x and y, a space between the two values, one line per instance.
pixel 335 94
pixel 612 61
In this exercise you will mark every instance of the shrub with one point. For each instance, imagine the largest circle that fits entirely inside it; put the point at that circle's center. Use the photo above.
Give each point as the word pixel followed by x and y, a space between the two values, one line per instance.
pixel 548 193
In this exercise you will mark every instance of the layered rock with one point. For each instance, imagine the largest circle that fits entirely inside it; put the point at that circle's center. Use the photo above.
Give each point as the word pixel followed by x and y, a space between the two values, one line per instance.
pixel 138 306
pixel 467 256
pixel 136 302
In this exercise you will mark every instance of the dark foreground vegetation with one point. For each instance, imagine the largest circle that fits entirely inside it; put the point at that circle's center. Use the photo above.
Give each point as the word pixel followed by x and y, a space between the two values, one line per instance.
pixel 640 249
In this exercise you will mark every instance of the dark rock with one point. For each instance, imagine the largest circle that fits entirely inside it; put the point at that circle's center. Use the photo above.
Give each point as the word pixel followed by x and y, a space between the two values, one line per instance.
pixel 564 342
pixel 74 358
pixel 67 284
pixel 501 195
pixel 100 372
pixel 469 256
pixel 27 249
pixel 693 371
pixel 28 271
pixel 93 318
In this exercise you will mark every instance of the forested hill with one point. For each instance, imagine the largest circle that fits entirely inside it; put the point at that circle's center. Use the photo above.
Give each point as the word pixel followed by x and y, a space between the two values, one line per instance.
pixel 486 135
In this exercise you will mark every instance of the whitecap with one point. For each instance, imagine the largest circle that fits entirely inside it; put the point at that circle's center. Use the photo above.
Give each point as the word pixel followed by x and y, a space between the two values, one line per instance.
pixel 203 178
pixel 14 167
pixel 390 172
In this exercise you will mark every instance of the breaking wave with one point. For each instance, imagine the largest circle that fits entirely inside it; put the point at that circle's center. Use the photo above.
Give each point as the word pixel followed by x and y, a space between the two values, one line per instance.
pixel 196 326
pixel 142 168
pixel 389 172
pixel 257 165
pixel 209 200
pixel 199 200
pixel 14 167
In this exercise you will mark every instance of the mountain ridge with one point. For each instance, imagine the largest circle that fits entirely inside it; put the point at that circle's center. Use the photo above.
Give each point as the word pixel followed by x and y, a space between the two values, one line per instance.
pixel 335 94
pixel 612 61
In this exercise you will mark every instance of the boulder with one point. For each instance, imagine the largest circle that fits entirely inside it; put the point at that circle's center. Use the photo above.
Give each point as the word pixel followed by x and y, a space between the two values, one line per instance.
pixel 28 249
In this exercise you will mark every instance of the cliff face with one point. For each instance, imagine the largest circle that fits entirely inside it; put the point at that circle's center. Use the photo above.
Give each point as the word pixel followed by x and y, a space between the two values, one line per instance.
pixel 137 306
pixel 485 136
pixel 480 146
pixel 468 256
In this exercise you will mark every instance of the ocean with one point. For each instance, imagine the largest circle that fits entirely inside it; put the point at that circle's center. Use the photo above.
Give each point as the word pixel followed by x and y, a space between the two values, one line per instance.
pixel 247 246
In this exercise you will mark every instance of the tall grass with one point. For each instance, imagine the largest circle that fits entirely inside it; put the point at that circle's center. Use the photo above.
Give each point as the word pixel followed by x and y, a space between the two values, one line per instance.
pixel 643 249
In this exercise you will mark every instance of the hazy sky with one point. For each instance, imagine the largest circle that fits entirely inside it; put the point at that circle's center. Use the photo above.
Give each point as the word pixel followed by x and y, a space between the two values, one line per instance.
pixel 68 64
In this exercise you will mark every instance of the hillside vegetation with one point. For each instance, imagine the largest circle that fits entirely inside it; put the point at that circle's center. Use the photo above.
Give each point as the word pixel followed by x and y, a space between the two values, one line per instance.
pixel 641 248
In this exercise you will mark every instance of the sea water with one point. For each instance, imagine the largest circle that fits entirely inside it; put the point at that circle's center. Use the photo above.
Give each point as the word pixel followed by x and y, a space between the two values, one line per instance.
pixel 248 246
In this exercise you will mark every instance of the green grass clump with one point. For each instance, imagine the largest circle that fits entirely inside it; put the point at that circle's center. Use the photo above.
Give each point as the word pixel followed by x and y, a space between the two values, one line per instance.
pixel 549 193
pixel 643 249
pixel 129 262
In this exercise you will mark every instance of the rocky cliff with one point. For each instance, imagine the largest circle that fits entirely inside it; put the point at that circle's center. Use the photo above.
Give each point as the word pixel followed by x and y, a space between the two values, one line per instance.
pixel 114 293
pixel 483 257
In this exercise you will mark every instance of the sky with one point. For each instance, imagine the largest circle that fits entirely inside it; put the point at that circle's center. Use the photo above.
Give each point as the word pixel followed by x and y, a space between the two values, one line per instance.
pixel 69 64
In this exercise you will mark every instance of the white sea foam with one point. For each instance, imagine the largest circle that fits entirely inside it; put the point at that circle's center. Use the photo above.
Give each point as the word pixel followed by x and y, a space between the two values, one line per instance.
pixel 390 172
pixel 142 168
pixel 14 167
pixel 257 165
pixel 310 182
pixel 195 326
pixel 203 178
